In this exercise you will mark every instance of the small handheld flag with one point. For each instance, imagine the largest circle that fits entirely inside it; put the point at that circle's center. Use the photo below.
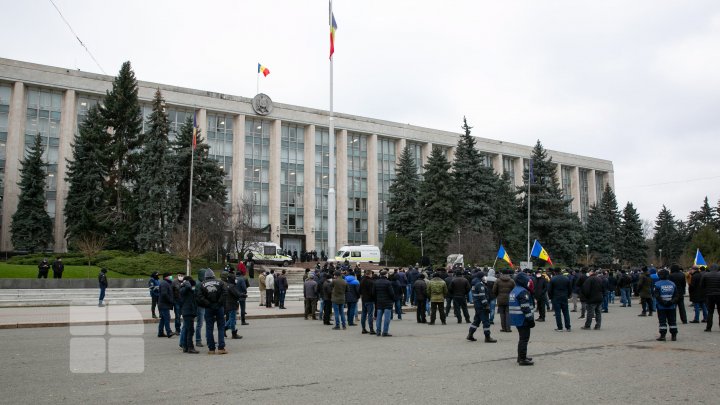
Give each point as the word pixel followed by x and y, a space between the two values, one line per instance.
pixel 503 255
pixel 195 130
pixel 699 259
pixel 540 252
pixel 333 28
pixel 262 69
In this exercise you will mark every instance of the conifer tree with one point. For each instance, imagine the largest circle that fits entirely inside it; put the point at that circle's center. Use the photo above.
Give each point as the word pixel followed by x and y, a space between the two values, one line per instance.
pixel 31 225
pixel 474 184
pixel 507 225
pixel 599 236
pixel 156 188
pixel 86 207
pixel 611 213
pixel 631 249
pixel 551 221
pixel 403 216
pixel 667 237
pixel 701 218
pixel 435 206
pixel 123 118
pixel 208 177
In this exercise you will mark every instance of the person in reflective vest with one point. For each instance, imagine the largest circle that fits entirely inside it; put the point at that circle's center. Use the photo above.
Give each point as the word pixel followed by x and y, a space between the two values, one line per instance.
pixel 481 300
pixel 522 316
pixel 666 295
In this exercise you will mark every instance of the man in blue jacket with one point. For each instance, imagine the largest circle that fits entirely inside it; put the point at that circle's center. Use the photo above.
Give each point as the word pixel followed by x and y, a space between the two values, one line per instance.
pixel 666 295
pixel 154 287
pixel 559 290
pixel 522 316
pixel 481 301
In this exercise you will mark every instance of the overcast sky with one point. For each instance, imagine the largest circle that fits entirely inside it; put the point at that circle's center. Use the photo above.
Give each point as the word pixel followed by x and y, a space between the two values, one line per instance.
pixel 636 82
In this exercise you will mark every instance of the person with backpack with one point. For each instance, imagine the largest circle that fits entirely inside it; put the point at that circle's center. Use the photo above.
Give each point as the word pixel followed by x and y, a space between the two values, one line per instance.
pixel 212 297
pixel 154 287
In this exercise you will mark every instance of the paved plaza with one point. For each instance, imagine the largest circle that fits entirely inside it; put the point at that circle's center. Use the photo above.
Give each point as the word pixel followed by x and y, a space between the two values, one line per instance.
pixel 294 361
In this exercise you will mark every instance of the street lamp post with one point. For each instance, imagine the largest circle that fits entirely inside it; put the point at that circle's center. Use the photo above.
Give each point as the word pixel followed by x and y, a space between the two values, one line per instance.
pixel 661 262
pixel 587 255
pixel 422 249
pixel 458 240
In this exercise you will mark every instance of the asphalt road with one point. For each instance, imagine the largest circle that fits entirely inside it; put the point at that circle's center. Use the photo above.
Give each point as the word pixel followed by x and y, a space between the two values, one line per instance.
pixel 293 361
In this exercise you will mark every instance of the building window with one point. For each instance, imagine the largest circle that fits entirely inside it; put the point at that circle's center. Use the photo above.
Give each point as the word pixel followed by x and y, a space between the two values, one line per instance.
pixel 177 117
pixel 292 178
pixel 84 104
pixel 509 169
pixel 599 186
pixel 584 196
pixel 219 138
pixel 322 183
pixel 386 174
pixel 5 93
pixel 257 168
pixel 357 189
pixel 416 153
pixel 566 174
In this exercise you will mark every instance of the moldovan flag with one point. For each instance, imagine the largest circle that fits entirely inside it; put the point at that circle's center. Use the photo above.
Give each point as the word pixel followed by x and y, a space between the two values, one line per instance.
pixel 699 259
pixel 540 252
pixel 502 254
pixel 333 28
pixel 262 69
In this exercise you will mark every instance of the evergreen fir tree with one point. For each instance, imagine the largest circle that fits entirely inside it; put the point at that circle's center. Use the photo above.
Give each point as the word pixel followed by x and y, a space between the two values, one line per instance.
pixel 86 207
pixel 551 221
pixel 121 112
pixel 208 177
pixel 474 184
pixel 599 236
pixel 31 225
pixel 435 206
pixel 667 237
pixel 507 225
pixel 403 216
pixel 631 249
pixel 701 218
pixel 611 213
pixel 156 188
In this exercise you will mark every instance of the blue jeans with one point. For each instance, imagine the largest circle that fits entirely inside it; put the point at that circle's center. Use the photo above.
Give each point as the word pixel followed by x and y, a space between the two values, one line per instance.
pixel 351 311
pixel 181 341
pixel 177 316
pixel 408 294
pixel 213 316
pixel 492 310
pixel 164 324
pixel 625 294
pixel 698 307
pixel 102 293
pixel 232 320
pixel 367 314
pixel 612 296
pixel 380 314
pixel 398 308
pixel 200 321
pixel 282 297
pixel 560 306
pixel 606 299
pixel 339 310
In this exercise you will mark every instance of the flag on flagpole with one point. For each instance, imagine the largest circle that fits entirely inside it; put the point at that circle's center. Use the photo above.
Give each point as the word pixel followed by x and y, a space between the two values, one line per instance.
pixel 502 254
pixel 540 252
pixel 195 130
pixel 264 70
pixel 531 177
pixel 699 259
pixel 333 28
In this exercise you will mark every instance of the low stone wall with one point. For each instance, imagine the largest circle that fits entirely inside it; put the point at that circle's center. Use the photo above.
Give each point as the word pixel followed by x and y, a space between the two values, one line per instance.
pixel 34 283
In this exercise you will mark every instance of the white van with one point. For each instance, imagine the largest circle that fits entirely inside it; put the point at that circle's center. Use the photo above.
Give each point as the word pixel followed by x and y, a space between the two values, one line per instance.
pixel 269 252
pixel 358 254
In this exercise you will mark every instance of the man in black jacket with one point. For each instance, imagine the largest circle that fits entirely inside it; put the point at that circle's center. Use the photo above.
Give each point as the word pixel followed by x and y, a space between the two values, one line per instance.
pixel 189 312
pixel 458 289
pixel 419 293
pixel 559 290
pixel 593 291
pixel 212 298
pixel 710 283
pixel 368 302
pixel 166 302
pixel 678 278
pixel 384 295
pixel 540 294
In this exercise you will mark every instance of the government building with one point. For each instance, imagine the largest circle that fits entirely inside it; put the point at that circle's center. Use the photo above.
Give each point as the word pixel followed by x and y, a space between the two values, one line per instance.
pixel 275 154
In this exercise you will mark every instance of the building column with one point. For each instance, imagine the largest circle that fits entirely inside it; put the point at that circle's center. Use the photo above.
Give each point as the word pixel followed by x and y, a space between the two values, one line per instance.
pixel 610 179
pixel 238 166
pixel 497 162
pixel 67 132
pixel 15 144
pixel 558 174
pixel 341 198
pixel 309 187
pixel 575 189
pixel 426 151
pixel 519 168
pixel 372 204
pixel 400 144
pixel 451 154
pixel 592 195
pixel 274 198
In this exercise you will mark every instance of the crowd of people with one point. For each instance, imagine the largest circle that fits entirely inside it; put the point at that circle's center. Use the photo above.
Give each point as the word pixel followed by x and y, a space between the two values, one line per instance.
pixel 332 294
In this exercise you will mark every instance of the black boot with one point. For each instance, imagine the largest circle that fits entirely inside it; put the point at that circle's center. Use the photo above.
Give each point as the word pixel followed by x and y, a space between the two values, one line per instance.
pixel 470 336
pixel 525 362
pixel 661 338
pixel 225 332
pixel 488 339
pixel 235 335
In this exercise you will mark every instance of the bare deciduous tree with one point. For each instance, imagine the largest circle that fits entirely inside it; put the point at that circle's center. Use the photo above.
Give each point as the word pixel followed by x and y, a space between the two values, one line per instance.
pixel 90 245
pixel 199 243
pixel 476 247
pixel 243 229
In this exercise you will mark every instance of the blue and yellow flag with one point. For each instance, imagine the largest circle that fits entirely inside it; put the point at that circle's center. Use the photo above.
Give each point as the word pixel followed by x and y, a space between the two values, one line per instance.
pixel 502 254
pixel 699 259
pixel 540 252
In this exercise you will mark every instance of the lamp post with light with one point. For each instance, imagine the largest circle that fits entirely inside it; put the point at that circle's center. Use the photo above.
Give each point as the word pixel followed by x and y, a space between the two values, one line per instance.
pixel 587 255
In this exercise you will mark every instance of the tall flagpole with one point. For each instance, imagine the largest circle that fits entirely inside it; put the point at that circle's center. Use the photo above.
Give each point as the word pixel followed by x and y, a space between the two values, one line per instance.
pixel 192 162
pixel 331 186
pixel 530 178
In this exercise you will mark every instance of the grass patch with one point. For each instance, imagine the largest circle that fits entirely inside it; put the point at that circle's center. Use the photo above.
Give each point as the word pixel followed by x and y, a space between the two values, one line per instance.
pixel 29 271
